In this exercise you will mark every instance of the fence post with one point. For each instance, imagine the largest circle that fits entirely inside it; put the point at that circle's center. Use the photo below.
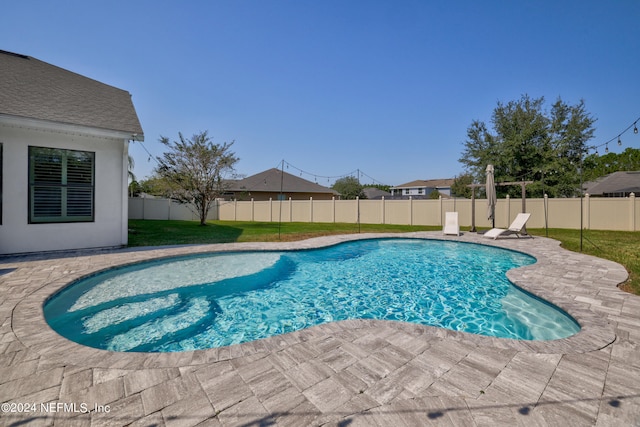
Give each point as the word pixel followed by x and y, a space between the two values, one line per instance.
pixel 311 210
pixel 290 210
pixel 632 199
pixel 235 209
pixel 271 209
pixel 440 206
pixel 382 204
pixel 333 204
pixel 410 210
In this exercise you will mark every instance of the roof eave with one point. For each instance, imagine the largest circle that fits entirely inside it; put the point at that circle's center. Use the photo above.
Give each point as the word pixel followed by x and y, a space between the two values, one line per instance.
pixel 39 124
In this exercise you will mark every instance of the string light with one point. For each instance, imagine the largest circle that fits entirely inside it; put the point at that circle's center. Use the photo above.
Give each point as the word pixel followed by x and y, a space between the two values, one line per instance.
pixel 330 178
pixel 633 125
pixel 150 156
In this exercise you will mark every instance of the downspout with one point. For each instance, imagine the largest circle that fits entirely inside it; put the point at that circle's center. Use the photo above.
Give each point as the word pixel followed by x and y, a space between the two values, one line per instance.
pixel 124 237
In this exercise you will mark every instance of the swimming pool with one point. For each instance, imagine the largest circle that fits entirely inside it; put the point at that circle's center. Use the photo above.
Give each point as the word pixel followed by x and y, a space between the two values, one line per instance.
pixel 214 300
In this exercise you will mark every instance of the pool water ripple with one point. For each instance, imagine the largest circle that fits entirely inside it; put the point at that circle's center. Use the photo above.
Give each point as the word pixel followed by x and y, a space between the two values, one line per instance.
pixel 214 300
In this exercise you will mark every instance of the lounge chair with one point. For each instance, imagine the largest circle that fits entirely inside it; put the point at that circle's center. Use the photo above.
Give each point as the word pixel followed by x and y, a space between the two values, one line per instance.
pixel 451 225
pixel 515 228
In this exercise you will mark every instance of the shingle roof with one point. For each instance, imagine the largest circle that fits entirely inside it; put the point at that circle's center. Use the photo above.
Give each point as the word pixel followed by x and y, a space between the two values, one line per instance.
pixel 273 181
pixel 33 89
pixel 617 182
pixel 373 193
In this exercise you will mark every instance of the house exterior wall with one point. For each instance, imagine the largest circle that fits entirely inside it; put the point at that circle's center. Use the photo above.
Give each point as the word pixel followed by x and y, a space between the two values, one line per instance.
pixel 109 227
pixel 419 191
pixel 413 191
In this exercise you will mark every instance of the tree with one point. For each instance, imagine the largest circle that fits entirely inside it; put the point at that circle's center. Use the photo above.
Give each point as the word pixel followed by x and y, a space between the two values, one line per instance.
pixel 134 188
pixel 382 187
pixel 158 186
pixel 349 188
pixel 596 165
pixel 131 164
pixel 198 168
pixel 460 186
pixel 529 143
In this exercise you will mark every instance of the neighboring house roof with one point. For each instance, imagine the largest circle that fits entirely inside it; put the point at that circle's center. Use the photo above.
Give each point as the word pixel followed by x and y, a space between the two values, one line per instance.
pixel 615 183
pixel 30 88
pixel 273 181
pixel 373 193
pixel 428 183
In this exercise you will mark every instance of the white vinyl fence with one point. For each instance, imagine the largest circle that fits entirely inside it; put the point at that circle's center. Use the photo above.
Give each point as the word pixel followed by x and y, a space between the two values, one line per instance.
pixel 597 213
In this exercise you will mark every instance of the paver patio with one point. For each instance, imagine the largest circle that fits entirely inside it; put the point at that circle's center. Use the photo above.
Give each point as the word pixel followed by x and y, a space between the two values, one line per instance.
pixel 350 373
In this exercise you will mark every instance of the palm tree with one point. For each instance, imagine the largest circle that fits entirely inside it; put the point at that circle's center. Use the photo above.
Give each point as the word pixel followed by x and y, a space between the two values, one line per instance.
pixel 131 176
pixel 131 165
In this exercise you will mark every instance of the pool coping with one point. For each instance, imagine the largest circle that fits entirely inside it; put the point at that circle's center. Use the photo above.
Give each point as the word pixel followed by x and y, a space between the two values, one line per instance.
pixel 558 277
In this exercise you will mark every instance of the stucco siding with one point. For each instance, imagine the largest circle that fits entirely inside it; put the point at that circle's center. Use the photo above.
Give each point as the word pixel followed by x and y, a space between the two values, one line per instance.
pixel 110 211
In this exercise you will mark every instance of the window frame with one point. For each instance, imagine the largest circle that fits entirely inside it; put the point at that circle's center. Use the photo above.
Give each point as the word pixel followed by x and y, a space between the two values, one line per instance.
pixel 63 186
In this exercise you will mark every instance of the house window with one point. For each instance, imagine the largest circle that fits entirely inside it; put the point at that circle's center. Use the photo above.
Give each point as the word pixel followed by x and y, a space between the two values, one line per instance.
pixel 406 191
pixel 61 185
pixel 420 191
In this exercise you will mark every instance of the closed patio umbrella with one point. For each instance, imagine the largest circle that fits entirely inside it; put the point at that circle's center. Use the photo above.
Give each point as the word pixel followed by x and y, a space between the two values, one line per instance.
pixel 491 196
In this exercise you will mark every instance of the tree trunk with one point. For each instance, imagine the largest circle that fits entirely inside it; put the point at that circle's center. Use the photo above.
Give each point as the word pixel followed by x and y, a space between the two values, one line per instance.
pixel 203 214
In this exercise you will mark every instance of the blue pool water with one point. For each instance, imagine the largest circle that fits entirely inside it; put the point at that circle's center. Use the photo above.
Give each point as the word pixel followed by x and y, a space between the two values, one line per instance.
pixel 214 300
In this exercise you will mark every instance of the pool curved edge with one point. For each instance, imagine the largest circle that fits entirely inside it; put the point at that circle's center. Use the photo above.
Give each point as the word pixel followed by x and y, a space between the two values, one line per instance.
pixel 565 279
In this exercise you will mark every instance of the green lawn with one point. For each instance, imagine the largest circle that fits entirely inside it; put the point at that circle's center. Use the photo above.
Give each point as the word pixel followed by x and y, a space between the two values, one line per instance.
pixel 620 246
pixel 158 233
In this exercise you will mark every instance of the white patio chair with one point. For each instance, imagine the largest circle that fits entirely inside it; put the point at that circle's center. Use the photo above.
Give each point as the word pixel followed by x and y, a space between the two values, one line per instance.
pixel 451 225
pixel 515 228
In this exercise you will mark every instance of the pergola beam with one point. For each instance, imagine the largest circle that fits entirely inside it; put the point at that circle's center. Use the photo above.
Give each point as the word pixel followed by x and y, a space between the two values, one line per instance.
pixel 473 187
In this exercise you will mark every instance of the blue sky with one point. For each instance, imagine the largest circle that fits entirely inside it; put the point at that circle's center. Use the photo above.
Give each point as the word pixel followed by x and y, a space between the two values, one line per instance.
pixel 386 87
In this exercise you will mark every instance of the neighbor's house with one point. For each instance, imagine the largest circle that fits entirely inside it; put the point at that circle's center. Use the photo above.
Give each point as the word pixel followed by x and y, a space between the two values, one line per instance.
pixel 275 184
pixel 617 184
pixel 63 150
pixel 421 189
pixel 373 193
